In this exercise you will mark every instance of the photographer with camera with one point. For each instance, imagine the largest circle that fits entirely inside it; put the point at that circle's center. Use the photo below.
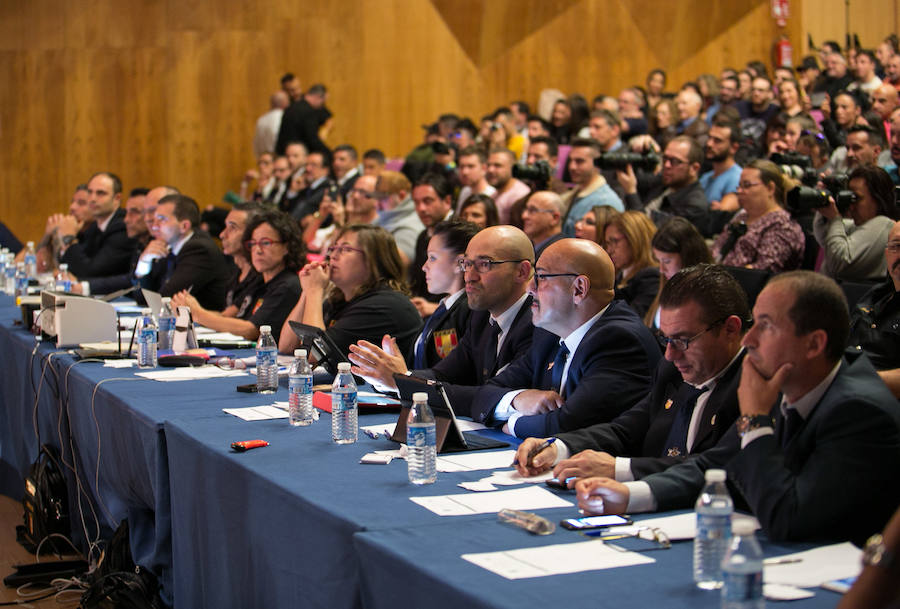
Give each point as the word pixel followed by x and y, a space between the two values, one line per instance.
pixel 854 248
pixel 590 189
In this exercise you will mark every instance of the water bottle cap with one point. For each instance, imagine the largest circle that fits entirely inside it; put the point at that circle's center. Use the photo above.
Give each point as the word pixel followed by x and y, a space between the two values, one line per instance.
pixel 300 353
pixel 63 266
pixel 420 396
pixel 743 527
pixel 165 299
pixel 344 367
pixel 29 243
pixel 145 311
pixel 715 475
pixel 265 329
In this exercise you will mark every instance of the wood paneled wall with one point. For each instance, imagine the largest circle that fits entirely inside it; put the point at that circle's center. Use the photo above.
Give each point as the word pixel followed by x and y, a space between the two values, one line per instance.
pixel 871 20
pixel 167 91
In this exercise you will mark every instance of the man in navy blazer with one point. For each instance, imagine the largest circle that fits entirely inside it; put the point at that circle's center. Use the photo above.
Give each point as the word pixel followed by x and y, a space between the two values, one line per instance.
pixel 499 327
pixel 703 316
pixel 821 464
pixel 591 357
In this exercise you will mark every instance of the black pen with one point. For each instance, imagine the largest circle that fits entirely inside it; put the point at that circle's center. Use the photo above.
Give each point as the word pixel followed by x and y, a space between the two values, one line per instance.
pixel 536 451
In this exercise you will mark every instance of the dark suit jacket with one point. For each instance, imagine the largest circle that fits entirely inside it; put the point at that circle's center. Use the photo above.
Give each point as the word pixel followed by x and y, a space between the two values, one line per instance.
pixel 540 247
pixel 456 319
pixel 464 370
pixel 300 123
pixel 113 283
pixel 641 431
pixel 200 264
pixel 641 290
pixel 609 372
pixel 101 253
pixel 308 200
pixel 836 480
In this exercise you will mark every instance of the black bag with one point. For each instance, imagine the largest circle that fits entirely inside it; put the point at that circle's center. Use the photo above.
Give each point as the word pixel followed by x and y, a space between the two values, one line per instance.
pixel 46 504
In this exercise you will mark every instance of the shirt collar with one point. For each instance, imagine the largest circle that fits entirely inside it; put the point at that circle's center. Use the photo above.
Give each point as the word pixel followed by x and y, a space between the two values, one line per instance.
pixel 176 249
pixel 804 406
pixel 710 383
pixel 450 300
pixel 574 339
pixel 505 320
pixel 102 225
pixel 348 175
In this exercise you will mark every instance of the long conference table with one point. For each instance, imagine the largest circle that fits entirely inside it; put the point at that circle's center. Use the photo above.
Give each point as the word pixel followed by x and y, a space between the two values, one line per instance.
pixel 300 523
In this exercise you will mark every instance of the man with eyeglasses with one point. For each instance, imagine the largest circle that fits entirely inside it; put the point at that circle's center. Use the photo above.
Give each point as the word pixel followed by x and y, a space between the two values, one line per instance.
pixel 814 452
pixel 542 218
pixel 361 205
pixel 397 212
pixel 591 360
pixel 497 268
pixel 693 400
pixel 875 320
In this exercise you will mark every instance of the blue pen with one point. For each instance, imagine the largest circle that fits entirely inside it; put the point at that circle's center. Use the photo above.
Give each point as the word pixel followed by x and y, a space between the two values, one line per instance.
pixel 536 451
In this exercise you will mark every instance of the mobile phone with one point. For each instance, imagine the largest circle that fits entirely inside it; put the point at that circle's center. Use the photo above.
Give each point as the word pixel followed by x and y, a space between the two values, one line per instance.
pixel 248 388
pixel 594 522
pixel 559 484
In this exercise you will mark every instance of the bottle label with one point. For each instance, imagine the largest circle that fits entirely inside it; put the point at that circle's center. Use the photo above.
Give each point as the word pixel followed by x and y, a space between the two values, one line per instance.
pixel 148 335
pixel 343 402
pixel 713 526
pixel 300 384
pixel 420 436
pixel 742 587
pixel 166 324
pixel 266 357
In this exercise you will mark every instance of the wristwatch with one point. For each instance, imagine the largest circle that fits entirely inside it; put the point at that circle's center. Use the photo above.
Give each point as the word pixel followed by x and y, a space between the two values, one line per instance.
pixel 748 422
pixel 877 554
pixel 68 239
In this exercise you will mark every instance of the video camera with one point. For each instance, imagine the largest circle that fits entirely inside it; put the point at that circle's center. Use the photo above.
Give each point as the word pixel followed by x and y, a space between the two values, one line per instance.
pixel 619 161
pixel 538 175
pixel 797 166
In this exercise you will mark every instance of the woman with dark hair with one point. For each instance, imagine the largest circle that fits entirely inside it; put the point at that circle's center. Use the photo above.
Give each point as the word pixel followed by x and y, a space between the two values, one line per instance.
pixel 627 241
pixel 480 210
pixel 761 235
pixel 447 324
pixel 357 293
pixel 843 112
pixel 791 96
pixel 276 251
pixel 656 84
pixel 664 121
pixel 676 245
pixel 854 249
pixel 592 225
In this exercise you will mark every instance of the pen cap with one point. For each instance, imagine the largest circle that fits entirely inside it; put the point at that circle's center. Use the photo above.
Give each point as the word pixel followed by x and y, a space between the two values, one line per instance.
pixel 715 475
pixel 743 527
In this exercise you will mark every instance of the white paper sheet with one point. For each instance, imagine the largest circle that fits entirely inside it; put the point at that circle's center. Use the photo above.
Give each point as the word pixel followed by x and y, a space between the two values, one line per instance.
pixel 528 498
pixel 556 559
pixel 120 363
pixel 189 373
pixel 816 566
pixel 467 462
pixel 684 526
pixel 257 413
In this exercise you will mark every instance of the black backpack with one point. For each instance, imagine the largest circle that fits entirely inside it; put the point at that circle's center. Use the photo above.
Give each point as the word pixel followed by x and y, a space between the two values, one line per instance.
pixel 46 504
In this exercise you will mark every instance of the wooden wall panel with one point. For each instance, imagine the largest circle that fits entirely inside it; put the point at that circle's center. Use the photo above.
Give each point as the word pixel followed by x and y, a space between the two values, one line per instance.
pixel 872 20
pixel 167 91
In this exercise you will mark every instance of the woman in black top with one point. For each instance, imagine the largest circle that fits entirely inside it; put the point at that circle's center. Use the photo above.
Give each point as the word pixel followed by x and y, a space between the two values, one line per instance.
pixel 627 241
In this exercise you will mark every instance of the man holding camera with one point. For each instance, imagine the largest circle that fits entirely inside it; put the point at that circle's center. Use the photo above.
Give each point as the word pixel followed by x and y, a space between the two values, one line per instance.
pixel 591 188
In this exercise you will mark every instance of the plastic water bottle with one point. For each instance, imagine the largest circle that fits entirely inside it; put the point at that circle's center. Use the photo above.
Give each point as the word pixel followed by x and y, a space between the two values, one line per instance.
pixel 146 340
pixel 742 570
pixel 30 261
pixel 3 270
pixel 10 274
pixel 21 280
pixel 344 427
pixel 300 406
pixel 63 279
pixel 166 324
pixel 266 361
pixel 421 441
pixel 714 508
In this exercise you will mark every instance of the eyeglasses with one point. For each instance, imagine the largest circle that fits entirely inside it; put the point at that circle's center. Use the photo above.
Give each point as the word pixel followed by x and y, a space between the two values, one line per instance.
pixel 671 160
pixel 747 185
pixel 682 344
pixel 364 193
pixel 539 277
pixel 262 243
pixel 612 242
pixel 893 247
pixel 341 250
pixel 482 265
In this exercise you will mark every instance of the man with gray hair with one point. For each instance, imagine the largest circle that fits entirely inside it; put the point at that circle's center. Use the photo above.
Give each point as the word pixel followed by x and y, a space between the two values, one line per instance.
pixel 542 219
pixel 268 124
pixel 689 105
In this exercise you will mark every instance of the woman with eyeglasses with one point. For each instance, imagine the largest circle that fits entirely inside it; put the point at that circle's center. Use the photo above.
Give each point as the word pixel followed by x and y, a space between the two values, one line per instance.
pixel 627 240
pixel 357 293
pixel 762 235
pixel 592 225
pixel 273 244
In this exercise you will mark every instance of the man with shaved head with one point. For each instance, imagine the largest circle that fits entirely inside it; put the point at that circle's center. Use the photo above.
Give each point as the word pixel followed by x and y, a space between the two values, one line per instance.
pixel 591 358
pixel 498 270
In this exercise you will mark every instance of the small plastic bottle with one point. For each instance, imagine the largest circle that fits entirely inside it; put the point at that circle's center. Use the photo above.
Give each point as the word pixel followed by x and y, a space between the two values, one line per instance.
pixel 21 280
pixel 146 340
pixel 266 361
pixel 421 441
pixel 742 570
pixel 344 410
pixel 11 274
pixel 714 508
pixel 166 324
pixel 300 383
pixel 63 279
pixel 30 260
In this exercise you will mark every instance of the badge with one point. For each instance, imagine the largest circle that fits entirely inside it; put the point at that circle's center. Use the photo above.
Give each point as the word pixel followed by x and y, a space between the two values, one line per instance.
pixel 673 452
pixel 712 421
pixel 257 305
pixel 445 341
pixel 668 404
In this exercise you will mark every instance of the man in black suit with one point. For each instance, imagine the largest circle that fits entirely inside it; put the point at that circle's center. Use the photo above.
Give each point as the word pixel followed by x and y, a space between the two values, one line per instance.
pixel 703 316
pixel 105 247
pixel 591 359
pixel 497 270
pixel 317 182
pixel 821 464
pixel 183 257
pixel 302 119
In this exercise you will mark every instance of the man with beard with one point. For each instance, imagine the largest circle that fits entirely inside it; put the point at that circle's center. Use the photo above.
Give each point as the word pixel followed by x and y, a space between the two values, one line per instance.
pixel 720 183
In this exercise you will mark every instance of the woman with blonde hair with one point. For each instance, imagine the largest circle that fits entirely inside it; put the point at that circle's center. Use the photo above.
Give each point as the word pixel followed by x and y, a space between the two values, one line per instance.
pixel 627 240
pixel 592 225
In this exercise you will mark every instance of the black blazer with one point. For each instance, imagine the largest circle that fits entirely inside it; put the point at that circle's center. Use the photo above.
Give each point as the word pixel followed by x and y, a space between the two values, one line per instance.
pixel 101 253
pixel 609 372
pixel 641 290
pixel 464 370
pixel 112 283
pixel 641 431
pixel 199 265
pixel 836 480
pixel 452 326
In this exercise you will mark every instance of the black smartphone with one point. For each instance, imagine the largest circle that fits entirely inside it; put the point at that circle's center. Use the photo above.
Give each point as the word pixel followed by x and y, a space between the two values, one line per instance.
pixel 594 522
pixel 559 484
pixel 248 388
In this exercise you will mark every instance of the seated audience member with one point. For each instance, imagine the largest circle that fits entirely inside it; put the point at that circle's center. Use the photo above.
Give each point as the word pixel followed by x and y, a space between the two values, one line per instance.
pixel 471 169
pixel 693 400
pixel 875 319
pixel 822 452
pixel 866 79
pixel 361 204
pixel 181 257
pixel 592 225
pixel 590 189
pixel 795 128
pixel 499 175
pixel 656 84
pixel 762 235
pixel 720 183
pixel 627 239
pixel 331 214
pixel 104 248
pixel 791 97
pixel 345 165
pixel 863 146
pixel 48 247
pixel 689 104
pixel 480 210
pixel 245 282
pixel 265 179
pixel 368 299
pixel 676 245
pixel 854 249
pixel 877 586
pixel 663 117
pixel 497 269
pixel 397 213
pixel 543 148
pixel 538 127
pixel 281 171
pixel 541 219
pixel 844 112
pixel 631 109
pixel 592 360
pixel 316 178
pixel 449 321
pixel 277 253
pixel 433 200
pixel 373 162
pixel 756 112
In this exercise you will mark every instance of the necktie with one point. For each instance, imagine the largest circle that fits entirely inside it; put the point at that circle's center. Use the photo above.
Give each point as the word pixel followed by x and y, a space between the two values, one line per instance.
pixel 684 402
pixel 792 422
pixel 559 364
pixel 419 356
pixel 170 268
pixel 490 352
